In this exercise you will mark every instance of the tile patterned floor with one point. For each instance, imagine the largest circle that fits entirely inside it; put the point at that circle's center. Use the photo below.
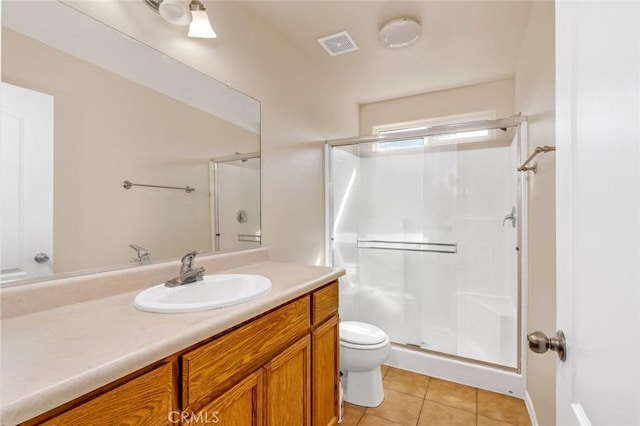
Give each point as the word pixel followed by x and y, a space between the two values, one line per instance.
pixel 413 399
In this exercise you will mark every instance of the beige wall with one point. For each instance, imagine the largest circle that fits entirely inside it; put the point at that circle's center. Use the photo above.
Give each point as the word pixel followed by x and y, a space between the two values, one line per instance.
pixel 301 107
pixel 108 129
pixel 535 97
pixel 496 95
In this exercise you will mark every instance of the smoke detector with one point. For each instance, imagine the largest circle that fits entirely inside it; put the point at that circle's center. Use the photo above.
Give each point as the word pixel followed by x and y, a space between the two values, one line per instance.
pixel 338 44
pixel 400 32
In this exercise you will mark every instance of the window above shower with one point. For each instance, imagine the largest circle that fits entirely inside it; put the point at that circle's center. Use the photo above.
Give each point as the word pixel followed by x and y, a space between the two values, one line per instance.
pixel 406 127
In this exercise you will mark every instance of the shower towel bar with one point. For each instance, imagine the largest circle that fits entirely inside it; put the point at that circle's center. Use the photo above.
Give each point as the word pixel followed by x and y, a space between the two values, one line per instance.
pixel 126 185
pixel 249 238
pixel 409 246
pixel 535 152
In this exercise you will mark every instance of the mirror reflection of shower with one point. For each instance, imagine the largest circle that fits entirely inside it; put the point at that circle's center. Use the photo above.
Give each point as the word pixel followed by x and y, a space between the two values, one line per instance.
pixel 416 219
pixel 235 201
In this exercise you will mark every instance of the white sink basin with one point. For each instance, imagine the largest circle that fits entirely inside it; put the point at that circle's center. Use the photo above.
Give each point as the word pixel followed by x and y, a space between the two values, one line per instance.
pixel 213 292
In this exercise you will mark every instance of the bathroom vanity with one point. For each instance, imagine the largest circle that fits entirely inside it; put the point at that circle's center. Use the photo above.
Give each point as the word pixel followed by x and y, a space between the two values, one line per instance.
pixel 271 361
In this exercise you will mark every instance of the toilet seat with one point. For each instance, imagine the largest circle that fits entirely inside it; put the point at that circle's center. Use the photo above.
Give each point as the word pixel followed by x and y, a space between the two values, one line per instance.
pixel 362 336
pixel 358 347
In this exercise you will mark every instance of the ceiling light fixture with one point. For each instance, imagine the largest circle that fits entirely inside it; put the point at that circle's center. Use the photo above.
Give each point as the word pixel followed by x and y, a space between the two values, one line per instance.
pixel 185 12
pixel 200 26
pixel 175 12
pixel 400 32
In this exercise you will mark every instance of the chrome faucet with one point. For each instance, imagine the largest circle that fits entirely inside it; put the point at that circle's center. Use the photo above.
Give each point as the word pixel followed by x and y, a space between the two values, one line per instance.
pixel 188 274
pixel 144 255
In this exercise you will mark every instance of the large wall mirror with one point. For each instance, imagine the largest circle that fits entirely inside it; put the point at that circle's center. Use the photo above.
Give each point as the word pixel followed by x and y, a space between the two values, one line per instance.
pixel 86 109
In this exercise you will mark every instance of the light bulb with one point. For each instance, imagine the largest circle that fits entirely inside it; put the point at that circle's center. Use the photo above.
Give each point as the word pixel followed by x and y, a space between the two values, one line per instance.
pixel 175 12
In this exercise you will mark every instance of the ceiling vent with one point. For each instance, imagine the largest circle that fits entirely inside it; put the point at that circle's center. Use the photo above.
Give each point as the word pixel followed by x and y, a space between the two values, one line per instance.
pixel 339 43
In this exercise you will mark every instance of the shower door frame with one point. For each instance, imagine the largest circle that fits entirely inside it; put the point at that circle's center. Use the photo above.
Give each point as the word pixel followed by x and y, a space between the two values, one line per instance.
pixel 214 200
pixel 519 123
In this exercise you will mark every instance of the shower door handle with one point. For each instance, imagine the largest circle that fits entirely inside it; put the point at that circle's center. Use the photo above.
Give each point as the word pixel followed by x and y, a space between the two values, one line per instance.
pixel 511 216
pixel 540 343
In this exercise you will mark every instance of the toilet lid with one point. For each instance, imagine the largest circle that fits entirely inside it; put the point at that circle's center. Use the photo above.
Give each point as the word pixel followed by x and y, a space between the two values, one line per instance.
pixel 361 333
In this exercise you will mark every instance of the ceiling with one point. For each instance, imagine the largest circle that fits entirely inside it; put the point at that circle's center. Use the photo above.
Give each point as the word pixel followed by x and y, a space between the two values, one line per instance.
pixel 462 42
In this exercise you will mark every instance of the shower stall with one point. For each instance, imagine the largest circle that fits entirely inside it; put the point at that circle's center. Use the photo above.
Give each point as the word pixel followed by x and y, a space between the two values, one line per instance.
pixel 234 182
pixel 430 227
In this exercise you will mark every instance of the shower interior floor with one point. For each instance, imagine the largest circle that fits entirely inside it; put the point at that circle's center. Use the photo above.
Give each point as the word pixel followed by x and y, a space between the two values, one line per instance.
pixel 419 400
pixel 439 339
pixel 445 340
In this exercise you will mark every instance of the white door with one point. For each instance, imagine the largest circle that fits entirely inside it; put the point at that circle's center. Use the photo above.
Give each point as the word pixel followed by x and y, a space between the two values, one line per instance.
pixel 26 183
pixel 598 214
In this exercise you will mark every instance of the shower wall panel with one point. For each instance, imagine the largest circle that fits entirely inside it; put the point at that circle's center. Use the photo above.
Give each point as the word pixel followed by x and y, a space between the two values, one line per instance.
pixel 436 301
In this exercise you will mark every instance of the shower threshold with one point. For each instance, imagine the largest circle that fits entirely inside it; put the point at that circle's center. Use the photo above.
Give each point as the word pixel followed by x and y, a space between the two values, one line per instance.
pixel 454 368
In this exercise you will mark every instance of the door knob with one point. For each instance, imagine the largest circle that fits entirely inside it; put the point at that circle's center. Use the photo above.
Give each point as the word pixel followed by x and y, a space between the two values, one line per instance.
pixel 540 343
pixel 41 258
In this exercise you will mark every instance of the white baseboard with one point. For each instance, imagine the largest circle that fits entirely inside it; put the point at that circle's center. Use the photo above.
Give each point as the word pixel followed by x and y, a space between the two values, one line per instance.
pixel 532 413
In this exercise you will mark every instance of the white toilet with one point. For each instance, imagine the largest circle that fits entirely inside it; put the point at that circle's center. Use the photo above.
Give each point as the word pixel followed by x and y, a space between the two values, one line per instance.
pixel 363 348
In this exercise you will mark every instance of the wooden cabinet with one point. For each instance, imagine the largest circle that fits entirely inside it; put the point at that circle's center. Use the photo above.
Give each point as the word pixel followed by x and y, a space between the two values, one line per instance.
pixel 242 405
pixel 288 386
pixel 326 373
pixel 213 367
pixel 145 400
pixel 278 369
pixel 325 356
pixel 324 303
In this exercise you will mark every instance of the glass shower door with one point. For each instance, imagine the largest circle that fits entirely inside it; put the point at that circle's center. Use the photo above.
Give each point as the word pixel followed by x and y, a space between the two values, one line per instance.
pixel 236 210
pixel 418 226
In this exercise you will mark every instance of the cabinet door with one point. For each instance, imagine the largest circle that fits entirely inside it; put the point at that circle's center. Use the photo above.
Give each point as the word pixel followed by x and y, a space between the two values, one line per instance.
pixel 145 400
pixel 325 372
pixel 210 369
pixel 287 386
pixel 242 405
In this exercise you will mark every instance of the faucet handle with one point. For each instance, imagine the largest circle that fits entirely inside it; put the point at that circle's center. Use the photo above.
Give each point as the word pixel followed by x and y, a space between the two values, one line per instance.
pixel 187 261
pixel 144 255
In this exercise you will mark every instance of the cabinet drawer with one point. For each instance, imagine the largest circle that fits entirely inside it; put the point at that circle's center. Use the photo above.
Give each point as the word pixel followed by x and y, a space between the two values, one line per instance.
pixel 215 366
pixel 325 302
pixel 145 400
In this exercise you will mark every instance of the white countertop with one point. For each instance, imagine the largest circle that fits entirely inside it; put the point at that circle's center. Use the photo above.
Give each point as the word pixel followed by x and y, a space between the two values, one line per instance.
pixel 56 355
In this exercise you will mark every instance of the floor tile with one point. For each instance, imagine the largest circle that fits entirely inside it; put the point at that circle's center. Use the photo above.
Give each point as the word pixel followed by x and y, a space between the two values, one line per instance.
pixel 452 394
pixel 369 420
pixel 503 408
pixel 354 407
pixel 486 421
pixel 398 407
pixel 443 403
pixel 406 381
pixel 435 414
pixel 352 414
pixel 384 369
